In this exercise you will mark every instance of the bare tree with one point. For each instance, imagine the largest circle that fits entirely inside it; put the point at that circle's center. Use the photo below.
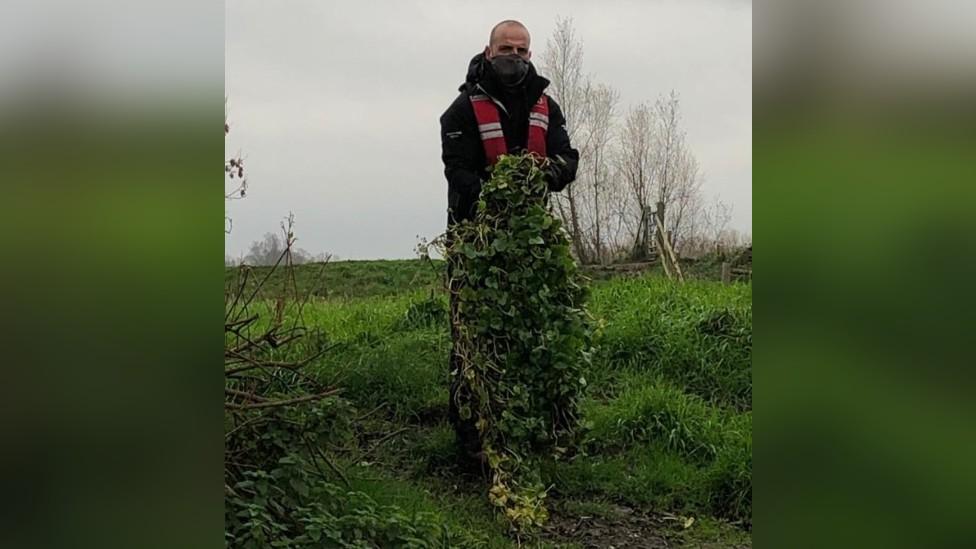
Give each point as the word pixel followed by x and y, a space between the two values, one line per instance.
pixel 716 222
pixel 270 249
pixel 707 229
pixel 674 163
pixel 265 251
pixel 668 145
pixel 618 210
pixel 659 168
pixel 562 62
pixel 636 167
pixel 624 171
pixel 685 198
pixel 601 107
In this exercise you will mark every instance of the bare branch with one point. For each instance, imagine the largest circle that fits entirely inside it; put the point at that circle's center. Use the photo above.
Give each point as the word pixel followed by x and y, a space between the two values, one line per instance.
pixel 285 402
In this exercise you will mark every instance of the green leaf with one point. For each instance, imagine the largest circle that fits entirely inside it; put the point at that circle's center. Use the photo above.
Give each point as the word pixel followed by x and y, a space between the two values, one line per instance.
pixel 525 332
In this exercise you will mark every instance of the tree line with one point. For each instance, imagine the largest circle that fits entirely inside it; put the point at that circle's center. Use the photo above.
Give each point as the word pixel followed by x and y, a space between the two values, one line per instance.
pixel 269 251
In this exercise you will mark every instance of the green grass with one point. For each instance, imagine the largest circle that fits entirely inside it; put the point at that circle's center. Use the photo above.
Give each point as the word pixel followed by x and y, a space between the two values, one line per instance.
pixel 669 398
pixel 697 334
pixel 465 514
pixel 657 445
pixel 385 354
pixel 350 279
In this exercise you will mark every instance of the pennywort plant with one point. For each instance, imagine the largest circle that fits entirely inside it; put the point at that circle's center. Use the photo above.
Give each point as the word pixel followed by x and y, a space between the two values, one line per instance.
pixel 524 336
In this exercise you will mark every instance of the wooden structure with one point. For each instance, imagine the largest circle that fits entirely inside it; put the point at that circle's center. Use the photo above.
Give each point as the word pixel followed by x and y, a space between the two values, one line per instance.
pixel 651 232
pixel 669 260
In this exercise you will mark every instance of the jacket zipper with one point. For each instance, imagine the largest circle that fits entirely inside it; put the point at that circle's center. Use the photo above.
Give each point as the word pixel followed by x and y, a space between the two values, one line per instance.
pixel 495 101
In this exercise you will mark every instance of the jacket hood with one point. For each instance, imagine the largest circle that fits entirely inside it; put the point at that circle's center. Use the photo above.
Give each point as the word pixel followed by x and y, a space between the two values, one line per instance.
pixel 476 70
pixel 479 72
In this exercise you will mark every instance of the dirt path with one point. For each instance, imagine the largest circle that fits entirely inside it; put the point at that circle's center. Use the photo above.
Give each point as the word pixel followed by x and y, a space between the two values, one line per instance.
pixel 621 528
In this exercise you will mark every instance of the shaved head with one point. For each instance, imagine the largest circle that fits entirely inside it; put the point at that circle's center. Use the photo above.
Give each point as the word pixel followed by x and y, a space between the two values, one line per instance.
pixel 508 37
pixel 493 37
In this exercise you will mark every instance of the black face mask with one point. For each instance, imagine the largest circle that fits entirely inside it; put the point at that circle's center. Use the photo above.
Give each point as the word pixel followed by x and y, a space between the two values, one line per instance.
pixel 510 69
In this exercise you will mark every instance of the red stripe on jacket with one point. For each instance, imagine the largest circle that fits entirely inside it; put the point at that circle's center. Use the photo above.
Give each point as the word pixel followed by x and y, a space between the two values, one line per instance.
pixel 490 127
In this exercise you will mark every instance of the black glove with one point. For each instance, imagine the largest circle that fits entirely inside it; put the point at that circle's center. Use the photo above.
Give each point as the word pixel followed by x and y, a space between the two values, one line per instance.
pixel 553 174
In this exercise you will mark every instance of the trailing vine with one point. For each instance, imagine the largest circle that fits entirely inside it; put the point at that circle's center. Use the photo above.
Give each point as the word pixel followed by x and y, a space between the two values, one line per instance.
pixel 524 336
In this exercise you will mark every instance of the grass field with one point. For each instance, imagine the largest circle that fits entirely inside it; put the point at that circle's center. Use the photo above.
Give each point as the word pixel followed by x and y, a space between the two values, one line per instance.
pixel 668 405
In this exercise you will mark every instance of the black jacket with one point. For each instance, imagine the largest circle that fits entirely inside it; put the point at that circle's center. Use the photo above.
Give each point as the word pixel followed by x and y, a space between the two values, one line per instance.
pixel 465 165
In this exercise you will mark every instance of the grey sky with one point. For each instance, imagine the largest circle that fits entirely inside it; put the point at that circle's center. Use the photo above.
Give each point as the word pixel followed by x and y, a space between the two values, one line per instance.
pixel 335 105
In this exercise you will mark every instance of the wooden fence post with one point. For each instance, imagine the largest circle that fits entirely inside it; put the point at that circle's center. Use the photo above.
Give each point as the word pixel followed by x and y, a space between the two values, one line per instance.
pixel 646 243
pixel 669 260
pixel 726 272
pixel 660 218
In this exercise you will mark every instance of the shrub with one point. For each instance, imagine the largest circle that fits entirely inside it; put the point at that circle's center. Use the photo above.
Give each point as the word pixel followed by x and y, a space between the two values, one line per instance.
pixel 281 489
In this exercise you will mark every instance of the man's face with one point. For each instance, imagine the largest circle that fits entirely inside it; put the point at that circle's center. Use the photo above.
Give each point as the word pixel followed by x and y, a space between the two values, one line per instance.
pixel 509 39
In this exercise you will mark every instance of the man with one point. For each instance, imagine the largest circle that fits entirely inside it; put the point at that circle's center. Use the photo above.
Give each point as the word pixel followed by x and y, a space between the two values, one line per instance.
pixel 501 78
pixel 502 108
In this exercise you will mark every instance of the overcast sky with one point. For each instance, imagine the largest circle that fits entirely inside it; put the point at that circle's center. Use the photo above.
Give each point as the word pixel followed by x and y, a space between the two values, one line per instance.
pixel 335 105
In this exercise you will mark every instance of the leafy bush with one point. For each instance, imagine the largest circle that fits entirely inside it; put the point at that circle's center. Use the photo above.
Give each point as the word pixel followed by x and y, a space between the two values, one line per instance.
pixel 524 336
pixel 279 493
